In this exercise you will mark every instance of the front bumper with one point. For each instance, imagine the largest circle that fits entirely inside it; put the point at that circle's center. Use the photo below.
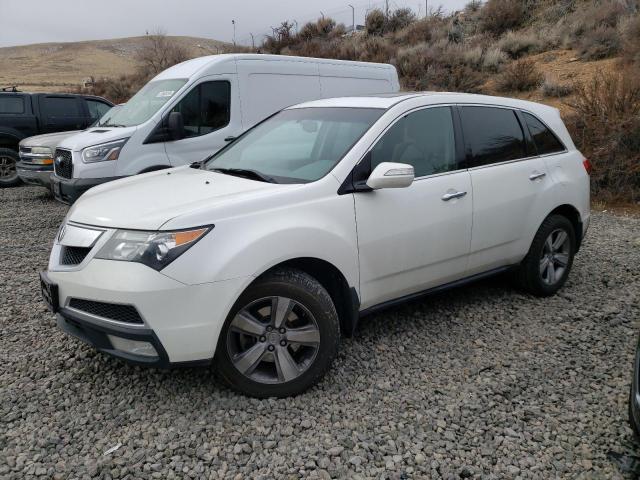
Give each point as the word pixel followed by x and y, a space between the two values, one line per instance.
pixel 68 190
pixel 181 321
pixel 35 174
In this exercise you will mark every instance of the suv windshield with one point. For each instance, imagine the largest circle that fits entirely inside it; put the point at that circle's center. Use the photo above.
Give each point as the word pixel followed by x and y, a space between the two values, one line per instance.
pixel 145 103
pixel 300 145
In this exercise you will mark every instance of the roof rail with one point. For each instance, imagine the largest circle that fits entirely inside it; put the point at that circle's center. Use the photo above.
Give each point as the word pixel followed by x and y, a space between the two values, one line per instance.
pixel 12 88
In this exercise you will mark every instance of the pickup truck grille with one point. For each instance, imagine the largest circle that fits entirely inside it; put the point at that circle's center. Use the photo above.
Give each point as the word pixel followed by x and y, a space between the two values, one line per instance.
pixel 62 164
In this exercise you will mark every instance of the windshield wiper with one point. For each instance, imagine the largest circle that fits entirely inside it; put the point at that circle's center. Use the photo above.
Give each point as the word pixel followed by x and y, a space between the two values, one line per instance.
pixel 245 173
pixel 116 125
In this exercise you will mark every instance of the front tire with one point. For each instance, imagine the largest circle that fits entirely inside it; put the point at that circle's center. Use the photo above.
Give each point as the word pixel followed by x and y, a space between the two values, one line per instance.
pixel 547 265
pixel 8 173
pixel 280 337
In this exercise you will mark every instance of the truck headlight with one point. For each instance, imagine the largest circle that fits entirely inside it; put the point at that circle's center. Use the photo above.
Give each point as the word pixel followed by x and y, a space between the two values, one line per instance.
pixel 154 249
pixel 103 152
pixel 39 156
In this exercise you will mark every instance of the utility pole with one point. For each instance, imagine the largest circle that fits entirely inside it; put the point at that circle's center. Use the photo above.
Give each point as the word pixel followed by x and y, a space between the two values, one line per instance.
pixel 296 24
pixel 426 8
pixel 322 14
pixel 253 41
pixel 234 32
pixel 353 19
pixel 386 8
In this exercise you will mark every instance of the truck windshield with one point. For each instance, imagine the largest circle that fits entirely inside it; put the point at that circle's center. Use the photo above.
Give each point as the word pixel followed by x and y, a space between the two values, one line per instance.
pixel 299 145
pixel 144 104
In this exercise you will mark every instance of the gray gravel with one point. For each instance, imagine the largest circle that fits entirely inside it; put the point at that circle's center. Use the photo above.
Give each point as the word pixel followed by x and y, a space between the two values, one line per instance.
pixel 480 382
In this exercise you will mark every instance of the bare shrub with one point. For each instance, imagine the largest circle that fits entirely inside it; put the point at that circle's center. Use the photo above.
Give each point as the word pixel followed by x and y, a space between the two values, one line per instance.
pixel 160 52
pixel 117 90
pixel 603 42
pixel 519 76
pixel 416 32
pixel 493 59
pixel 631 39
pixel 516 44
pixel 606 128
pixel 498 16
pixel 375 22
pixel 551 87
pixel 399 19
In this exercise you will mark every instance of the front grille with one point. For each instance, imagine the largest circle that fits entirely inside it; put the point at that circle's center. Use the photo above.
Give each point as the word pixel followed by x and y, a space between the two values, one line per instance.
pixel 112 311
pixel 63 164
pixel 73 255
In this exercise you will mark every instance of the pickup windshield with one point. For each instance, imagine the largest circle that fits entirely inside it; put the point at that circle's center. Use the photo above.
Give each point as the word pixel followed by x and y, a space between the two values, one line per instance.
pixel 145 103
pixel 300 145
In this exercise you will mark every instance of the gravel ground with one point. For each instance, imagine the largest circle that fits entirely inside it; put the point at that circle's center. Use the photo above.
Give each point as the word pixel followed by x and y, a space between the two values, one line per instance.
pixel 480 382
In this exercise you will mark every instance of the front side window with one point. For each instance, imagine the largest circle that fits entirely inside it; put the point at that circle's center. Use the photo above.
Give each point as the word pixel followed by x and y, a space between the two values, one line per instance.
pixel 424 139
pixel 299 145
pixel 144 104
pixel 493 135
pixel 97 109
pixel 546 142
pixel 11 104
pixel 206 108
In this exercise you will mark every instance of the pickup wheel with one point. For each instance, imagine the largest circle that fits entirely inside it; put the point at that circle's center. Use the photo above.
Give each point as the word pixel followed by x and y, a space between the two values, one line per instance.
pixel 8 173
pixel 280 336
pixel 547 265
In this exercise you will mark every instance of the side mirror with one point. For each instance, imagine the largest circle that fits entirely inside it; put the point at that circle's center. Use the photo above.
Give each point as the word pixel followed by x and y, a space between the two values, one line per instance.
pixel 391 175
pixel 175 124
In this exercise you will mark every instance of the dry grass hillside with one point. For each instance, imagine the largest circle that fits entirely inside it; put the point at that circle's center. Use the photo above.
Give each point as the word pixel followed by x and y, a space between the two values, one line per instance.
pixel 52 67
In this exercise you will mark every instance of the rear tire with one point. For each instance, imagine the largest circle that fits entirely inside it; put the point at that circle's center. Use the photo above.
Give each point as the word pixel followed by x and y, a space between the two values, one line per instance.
pixel 547 265
pixel 8 173
pixel 280 337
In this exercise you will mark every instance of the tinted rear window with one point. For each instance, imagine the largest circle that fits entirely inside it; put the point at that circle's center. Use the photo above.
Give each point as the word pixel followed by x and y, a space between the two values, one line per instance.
pixel 11 104
pixel 493 135
pixel 546 142
pixel 61 106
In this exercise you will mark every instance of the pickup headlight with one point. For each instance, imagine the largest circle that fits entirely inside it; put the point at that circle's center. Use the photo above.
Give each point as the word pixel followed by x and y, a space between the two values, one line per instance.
pixel 39 156
pixel 154 249
pixel 103 152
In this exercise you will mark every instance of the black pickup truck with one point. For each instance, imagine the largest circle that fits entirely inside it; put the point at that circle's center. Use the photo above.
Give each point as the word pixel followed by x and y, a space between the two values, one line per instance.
pixel 23 115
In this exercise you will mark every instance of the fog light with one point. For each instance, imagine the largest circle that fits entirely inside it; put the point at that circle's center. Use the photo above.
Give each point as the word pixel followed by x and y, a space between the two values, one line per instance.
pixel 134 347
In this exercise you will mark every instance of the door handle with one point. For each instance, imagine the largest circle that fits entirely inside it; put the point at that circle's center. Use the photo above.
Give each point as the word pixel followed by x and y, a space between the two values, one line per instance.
pixel 229 139
pixel 537 175
pixel 450 196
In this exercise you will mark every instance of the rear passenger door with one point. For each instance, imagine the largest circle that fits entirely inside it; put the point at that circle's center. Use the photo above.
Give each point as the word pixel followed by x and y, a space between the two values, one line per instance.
pixel 59 113
pixel 508 179
pixel 411 239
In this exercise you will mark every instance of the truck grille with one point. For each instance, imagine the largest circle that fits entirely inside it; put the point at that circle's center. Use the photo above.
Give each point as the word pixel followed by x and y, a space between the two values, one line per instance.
pixel 73 255
pixel 111 311
pixel 62 164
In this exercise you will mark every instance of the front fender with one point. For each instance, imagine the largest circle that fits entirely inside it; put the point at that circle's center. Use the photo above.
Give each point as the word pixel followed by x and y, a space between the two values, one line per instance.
pixel 249 245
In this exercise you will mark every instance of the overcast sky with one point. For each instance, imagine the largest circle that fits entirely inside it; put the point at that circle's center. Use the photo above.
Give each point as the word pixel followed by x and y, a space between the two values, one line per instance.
pixel 37 21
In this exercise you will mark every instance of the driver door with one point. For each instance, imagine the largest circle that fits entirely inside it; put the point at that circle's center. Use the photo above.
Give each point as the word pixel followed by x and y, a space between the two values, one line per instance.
pixel 415 238
pixel 211 118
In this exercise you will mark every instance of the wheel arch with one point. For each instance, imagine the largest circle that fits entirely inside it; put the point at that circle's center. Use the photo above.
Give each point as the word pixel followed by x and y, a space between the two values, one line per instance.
pixel 344 296
pixel 573 215
pixel 8 140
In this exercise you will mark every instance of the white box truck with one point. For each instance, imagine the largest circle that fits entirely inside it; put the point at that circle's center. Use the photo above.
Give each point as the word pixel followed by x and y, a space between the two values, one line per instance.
pixel 193 109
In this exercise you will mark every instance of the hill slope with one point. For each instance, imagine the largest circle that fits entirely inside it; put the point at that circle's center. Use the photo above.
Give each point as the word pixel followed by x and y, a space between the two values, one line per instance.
pixel 51 67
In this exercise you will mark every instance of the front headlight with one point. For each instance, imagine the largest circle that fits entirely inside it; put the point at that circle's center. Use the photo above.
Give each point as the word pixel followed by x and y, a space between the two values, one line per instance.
pixel 103 152
pixel 154 249
pixel 39 156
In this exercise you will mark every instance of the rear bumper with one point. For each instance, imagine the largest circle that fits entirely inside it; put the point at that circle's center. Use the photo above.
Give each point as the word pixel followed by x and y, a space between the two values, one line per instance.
pixel 68 190
pixel 35 174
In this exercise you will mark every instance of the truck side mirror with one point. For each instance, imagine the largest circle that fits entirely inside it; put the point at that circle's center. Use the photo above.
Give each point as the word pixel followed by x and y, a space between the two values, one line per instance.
pixel 175 124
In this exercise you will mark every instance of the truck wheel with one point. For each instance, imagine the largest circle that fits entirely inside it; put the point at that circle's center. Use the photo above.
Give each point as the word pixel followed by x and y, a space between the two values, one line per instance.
pixel 280 337
pixel 8 173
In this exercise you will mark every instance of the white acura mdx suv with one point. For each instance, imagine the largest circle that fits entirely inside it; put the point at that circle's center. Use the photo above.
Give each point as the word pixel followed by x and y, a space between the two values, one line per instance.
pixel 260 257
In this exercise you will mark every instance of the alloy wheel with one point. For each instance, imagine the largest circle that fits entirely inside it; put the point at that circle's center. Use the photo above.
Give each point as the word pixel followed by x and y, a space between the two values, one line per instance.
pixel 273 340
pixel 555 256
pixel 7 168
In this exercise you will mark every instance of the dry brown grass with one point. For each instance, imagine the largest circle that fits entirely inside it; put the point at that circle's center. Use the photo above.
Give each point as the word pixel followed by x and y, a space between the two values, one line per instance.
pixel 519 76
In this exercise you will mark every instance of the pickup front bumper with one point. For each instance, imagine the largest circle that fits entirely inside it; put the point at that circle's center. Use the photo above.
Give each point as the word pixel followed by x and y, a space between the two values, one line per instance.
pixel 68 190
pixel 35 174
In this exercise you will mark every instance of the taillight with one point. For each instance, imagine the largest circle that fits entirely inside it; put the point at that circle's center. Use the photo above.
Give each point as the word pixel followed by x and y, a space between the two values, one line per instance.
pixel 587 166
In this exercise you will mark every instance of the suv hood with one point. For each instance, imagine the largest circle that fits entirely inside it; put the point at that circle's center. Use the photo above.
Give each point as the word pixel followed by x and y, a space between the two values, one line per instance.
pixel 48 139
pixel 148 201
pixel 94 136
